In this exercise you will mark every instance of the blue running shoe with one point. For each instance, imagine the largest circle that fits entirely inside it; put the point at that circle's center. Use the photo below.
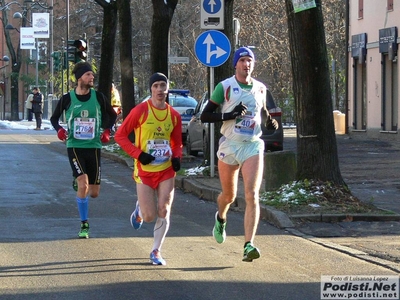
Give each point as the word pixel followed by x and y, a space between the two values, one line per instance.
pixel 136 220
pixel 156 259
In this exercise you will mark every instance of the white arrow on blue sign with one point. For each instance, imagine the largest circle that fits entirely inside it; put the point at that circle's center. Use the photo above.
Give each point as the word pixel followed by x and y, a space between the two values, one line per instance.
pixel 212 48
pixel 212 6
pixel 212 14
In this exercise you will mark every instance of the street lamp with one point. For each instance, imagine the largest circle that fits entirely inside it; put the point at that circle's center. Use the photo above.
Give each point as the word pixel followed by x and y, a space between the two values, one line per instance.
pixel 10 27
pixel 5 58
pixel 15 52
pixel 18 15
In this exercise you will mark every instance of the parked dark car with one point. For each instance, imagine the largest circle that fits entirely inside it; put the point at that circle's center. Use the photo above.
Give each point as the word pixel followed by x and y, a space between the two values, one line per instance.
pixel 181 102
pixel 197 133
pixel 197 137
pixel 273 139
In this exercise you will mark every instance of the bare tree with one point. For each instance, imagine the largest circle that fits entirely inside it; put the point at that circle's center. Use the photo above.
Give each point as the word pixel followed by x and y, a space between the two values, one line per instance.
pixel 316 142
pixel 335 24
pixel 163 12
pixel 16 62
pixel 107 45
pixel 125 44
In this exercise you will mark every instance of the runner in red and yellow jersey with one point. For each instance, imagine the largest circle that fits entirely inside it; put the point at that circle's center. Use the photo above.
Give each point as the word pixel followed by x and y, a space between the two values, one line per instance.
pixel 157 151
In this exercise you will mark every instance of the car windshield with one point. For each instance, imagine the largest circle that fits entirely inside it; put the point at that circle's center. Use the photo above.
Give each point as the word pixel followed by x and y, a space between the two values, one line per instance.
pixel 180 101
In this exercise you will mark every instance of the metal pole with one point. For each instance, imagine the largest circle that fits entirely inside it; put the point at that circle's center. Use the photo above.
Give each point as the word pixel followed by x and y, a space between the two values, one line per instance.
pixel 4 96
pixel 62 70
pixel 169 54
pixel 37 62
pixel 346 77
pixel 67 45
pixel 212 130
pixel 51 49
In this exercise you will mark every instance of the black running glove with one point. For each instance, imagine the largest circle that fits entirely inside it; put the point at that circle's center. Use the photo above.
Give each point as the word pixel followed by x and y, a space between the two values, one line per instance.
pixel 239 110
pixel 176 163
pixel 145 158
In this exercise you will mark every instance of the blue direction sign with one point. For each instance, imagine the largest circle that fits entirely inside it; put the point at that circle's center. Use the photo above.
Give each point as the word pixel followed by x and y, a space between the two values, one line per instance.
pixel 212 48
pixel 212 6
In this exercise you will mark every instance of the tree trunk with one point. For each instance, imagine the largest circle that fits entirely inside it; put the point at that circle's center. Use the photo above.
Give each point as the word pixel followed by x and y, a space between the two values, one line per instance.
pixel 316 141
pixel 108 48
pixel 126 61
pixel 15 61
pixel 226 70
pixel 14 85
pixel 162 16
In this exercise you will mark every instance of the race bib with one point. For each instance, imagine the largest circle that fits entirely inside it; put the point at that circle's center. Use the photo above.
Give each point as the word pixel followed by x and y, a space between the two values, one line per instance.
pixel 160 149
pixel 245 125
pixel 84 128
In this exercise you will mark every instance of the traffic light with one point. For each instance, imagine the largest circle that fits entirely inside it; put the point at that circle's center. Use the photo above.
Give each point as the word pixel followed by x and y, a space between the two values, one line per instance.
pixel 77 50
pixel 81 50
pixel 56 60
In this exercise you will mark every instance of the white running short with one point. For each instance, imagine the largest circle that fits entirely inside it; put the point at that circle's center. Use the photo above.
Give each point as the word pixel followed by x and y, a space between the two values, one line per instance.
pixel 236 153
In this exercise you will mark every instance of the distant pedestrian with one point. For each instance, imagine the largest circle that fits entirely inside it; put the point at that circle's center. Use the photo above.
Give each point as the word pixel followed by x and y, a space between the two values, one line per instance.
pixel 86 112
pixel 243 108
pixel 115 98
pixel 117 106
pixel 37 107
pixel 157 151
pixel 28 105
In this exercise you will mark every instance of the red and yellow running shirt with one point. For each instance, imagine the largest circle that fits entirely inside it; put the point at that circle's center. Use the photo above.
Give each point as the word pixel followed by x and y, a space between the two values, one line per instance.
pixel 157 132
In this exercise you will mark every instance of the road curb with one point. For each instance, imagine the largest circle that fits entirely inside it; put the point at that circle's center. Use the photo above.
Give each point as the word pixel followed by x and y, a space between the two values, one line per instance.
pixel 347 250
pixel 115 157
pixel 267 213
pixel 204 192
pixel 336 218
pixel 280 219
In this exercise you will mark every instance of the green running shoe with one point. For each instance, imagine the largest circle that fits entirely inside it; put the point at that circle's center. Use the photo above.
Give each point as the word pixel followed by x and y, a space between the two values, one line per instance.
pixel 250 253
pixel 75 185
pixel 84 232
pixel 219 230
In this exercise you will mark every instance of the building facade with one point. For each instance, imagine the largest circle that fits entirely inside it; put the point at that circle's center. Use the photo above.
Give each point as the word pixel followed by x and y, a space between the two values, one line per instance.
pixel 373 72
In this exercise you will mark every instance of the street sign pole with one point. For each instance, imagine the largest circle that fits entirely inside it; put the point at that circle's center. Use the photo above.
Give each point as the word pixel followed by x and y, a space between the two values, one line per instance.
pixel 212 17
pixel 212 49
pixel 212 129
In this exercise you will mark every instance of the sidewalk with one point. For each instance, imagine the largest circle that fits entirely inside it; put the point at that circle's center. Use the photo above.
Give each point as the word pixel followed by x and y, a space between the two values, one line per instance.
pixel 372 238
pixel 369 167
pixel 208 188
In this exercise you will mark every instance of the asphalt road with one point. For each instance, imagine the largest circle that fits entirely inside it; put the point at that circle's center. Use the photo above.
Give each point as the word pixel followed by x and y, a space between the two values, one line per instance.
pixel 42 258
